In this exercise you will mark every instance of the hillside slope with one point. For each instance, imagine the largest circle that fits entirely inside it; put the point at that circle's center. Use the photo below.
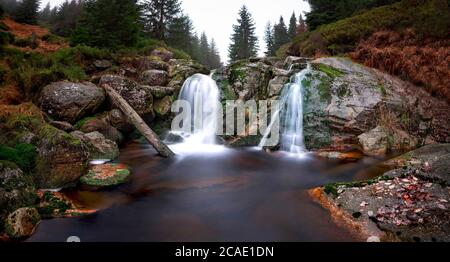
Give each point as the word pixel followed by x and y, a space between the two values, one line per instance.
pixel 409 39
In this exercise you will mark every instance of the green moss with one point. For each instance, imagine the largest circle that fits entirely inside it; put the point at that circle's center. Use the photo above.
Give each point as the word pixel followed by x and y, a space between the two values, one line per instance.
pixel 120 177
pixel 54 136
pixel 52 206
pixel 382 89
pixel 83 121
pixel 24 155
pixel 329 71
pixel 333 188
pixel 343 91
pixel 324 88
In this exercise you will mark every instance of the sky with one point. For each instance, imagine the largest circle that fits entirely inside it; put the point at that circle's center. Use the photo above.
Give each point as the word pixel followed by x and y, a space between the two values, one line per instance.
pixel 216 17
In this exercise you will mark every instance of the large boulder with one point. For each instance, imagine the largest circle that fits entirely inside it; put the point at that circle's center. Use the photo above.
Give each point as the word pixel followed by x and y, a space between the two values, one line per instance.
pixel 139 97
pixel 154 78
pixel 106 175
pixel 61 159
pixel 99 146
pixel 67 101
pixel 374 142
pixel 22 223
pixel 16 190
pixel 344 100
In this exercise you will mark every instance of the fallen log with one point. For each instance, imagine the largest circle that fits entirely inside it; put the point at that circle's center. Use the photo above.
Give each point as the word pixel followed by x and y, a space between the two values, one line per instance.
pixel 138 122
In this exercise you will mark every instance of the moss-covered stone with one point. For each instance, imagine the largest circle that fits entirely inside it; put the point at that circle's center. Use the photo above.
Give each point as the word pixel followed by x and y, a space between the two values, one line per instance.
pixel 62 158
pixel 106 175
pixel 328 70
pixel 22 223
pixel 52 206
pixel 16 189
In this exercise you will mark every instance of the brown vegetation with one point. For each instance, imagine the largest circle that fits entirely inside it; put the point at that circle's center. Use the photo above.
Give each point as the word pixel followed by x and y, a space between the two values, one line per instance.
pixel 40 38
pixel 424 62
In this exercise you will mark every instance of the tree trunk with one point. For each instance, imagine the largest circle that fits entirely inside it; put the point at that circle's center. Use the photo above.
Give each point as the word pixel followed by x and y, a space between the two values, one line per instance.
pixel 138 122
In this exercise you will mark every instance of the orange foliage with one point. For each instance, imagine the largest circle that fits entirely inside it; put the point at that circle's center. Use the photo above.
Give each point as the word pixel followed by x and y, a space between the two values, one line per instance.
pixel 10 95
pixel 424 62
pixel 27 31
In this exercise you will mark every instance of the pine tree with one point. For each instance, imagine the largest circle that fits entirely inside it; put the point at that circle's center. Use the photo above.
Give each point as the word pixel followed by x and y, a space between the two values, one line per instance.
pixel 204 49
pixel 27 12
pixel 45 14
pixel 301 28
pixel 281 35
pixel 180 34
pixel 214 57
pixel 244 43
pixel 269 39
pixel 64 21
pixel 292 31
pixel 9 6
pixel 159 14
pixel 108 23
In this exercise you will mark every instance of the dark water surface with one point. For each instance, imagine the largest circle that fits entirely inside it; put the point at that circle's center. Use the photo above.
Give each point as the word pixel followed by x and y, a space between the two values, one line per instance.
pixel 239 195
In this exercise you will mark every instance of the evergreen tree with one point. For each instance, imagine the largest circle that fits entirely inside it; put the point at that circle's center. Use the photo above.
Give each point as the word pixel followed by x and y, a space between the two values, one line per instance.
pixel 281 35
pixel 27 12
pixel 45 14
pixel 180 34
pixel 292 31
pixel 108 23
pixel 328 11
pixel 9 6
pixel 65 20
pixel 269 39
pixel 301 28
pixel 204 49
pixel 159 14
pixel 214 57
pixel 244 43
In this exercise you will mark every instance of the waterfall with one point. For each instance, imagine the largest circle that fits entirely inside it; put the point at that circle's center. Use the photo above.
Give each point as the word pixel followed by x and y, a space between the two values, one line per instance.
pixel 290 115
pixel 202 94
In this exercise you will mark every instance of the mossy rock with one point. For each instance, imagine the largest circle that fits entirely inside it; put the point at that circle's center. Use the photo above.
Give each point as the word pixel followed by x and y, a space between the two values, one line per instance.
pixel 52 205
pixel 106 175
pixel 24 155
pixel 22 223
pixel 61 160
pixel 16 189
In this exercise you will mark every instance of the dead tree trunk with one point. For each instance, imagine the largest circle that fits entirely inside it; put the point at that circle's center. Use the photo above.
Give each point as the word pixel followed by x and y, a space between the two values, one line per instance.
pixel 138 122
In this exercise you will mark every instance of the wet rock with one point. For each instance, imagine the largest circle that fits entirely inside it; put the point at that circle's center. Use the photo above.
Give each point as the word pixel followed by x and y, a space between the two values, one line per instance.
pixel 102 64
pixel 161 91
pixel 64 126
pixel 182 69
pixel 374 142
pixel 66 101
pixel 344 100
pixel 61 159
pixel 154 78
pixel 58 205
pixel 16 190
pixel 162 107
pixel 162 53
pixel 99 146
pixel 139 97
pixel 22 223
pixel 102 126
pixel 404 204
pixel 276 85
pixel 106 175
pixel 295 63
pixel 118 120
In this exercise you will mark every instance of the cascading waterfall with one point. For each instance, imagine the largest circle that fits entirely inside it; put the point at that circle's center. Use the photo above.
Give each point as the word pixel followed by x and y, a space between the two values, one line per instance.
pixel 290 115
pixel 203 96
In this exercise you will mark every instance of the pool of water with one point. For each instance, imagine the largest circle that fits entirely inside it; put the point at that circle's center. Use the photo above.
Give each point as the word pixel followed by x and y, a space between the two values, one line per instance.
pixel 232 195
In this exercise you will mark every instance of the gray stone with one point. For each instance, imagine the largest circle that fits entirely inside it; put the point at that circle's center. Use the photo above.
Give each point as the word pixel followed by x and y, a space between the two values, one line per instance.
pixel 67 101
pixel 374 142
pixel 154 78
